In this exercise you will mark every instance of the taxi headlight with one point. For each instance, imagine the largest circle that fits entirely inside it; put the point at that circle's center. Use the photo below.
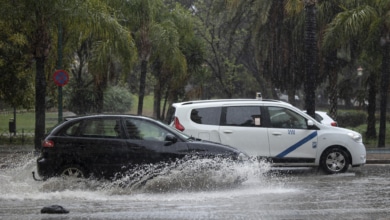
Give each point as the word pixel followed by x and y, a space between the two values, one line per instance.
pixel 356 137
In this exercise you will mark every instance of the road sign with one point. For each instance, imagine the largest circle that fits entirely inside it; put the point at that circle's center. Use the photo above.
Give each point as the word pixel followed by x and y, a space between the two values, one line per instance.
pixel 61 77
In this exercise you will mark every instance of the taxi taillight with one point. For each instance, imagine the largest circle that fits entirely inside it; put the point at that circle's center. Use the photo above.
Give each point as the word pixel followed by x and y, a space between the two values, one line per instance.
pixel 48 143
pixel 177 124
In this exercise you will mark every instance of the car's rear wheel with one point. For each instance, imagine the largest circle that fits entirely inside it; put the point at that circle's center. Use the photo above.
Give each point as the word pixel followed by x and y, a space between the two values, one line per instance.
pixel 73 171
pixel 335 160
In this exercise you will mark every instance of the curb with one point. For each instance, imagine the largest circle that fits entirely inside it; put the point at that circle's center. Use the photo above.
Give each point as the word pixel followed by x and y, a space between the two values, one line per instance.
pixel 378 161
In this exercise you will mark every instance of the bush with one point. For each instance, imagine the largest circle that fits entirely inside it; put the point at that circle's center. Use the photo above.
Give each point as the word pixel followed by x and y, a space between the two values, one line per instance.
pixel 117 99
pixel 351 118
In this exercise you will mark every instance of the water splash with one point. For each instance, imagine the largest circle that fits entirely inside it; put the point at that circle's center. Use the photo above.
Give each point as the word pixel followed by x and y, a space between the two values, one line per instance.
pixel 188 175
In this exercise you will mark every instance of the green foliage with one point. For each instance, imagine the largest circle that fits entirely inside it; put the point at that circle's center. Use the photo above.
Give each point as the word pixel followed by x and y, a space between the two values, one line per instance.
pixel 16 81
pixel 117 99
pixel 351 118
pixel 217 48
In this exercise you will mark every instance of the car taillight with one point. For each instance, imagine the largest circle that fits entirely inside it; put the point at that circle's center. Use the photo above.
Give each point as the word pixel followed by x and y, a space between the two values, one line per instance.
pixel 48 143
pixel 334 124
pixel 178 126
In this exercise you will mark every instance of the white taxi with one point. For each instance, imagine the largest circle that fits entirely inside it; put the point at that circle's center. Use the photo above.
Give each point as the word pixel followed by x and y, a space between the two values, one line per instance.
pixel 271 129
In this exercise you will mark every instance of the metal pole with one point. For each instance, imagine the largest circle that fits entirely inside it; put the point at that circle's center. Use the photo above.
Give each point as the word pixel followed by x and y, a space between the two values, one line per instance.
pixel 59 66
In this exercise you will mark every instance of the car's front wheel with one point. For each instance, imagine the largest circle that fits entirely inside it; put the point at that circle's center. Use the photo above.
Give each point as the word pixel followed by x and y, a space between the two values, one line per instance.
pixel 73 171
pixel 335 160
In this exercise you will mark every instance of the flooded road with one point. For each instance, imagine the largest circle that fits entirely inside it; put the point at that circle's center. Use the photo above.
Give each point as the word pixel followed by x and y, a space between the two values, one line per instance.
pixel 196 193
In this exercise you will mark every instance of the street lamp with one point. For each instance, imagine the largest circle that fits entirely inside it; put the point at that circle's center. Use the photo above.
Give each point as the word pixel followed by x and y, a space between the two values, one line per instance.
pixel 359 71
pixel 359 74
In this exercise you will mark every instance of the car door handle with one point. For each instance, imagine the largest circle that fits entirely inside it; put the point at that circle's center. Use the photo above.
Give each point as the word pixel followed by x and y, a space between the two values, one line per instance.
pixel 227 131
pixel 276 133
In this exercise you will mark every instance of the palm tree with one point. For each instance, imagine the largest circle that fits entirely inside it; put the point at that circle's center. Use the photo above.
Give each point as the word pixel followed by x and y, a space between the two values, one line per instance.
pixel 311 53
pixel 353 22
pixel 173 57
pixel 41 18
pixel 332 63
pixel 310 48
pixel 140 16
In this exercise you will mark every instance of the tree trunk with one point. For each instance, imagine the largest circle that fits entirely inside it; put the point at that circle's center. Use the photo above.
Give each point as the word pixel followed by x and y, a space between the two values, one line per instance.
pixel 142 85
pixel 384 90
pixel 311 68
pixel 331 67
pixel 40 104
pixel 333 93
pixel 99 97
pixel 371 108
pixel 157 100
pixel 157 65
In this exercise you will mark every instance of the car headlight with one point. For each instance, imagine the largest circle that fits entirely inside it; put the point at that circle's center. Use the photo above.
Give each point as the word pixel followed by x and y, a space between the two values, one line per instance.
pixel 356 137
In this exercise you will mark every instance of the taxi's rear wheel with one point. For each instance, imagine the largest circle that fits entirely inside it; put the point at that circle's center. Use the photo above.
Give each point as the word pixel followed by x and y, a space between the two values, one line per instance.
pixel 335 160
pixel 73 171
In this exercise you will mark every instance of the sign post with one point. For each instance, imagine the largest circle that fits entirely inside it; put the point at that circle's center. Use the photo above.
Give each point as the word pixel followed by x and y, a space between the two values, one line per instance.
pixel 61 78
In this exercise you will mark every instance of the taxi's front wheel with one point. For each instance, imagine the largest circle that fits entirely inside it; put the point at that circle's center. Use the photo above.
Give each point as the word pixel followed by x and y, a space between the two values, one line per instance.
pixel 335 160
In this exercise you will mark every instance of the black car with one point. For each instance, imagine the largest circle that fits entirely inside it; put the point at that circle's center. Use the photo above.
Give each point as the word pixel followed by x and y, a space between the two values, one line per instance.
pixel 104 145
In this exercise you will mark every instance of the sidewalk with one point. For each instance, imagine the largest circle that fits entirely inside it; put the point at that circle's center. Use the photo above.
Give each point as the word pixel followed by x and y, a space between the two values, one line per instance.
pixel 374 155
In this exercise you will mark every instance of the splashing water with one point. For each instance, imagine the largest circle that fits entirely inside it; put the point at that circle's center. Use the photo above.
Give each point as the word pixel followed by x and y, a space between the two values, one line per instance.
pixel 187 175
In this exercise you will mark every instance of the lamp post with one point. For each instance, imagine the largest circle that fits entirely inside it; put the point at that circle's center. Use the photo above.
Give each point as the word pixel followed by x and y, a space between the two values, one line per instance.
pixel 359 74
pixel 359 71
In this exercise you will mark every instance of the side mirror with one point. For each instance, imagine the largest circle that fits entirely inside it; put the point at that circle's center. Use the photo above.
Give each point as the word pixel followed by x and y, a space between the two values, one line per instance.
pixel 311 125
pixel 171 139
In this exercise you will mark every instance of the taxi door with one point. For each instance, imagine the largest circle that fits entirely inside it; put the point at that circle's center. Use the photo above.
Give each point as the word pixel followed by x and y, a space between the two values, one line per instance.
pixel 242 127
pixel 290 139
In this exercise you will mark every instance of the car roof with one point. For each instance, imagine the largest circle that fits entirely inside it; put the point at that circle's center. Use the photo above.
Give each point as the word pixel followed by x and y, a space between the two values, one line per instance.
pixel 229 101
pixel 107 116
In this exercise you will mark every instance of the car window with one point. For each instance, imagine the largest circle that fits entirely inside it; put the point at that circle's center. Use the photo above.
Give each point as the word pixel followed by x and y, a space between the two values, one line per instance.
pixel 318 117
pixel 245 116
pixel 144 130
pixel 207 116
pixel 102 127
pixel 285 118
pixel 72 130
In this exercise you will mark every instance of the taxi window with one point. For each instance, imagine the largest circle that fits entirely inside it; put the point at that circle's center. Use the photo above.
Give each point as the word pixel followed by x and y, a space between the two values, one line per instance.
pixel 243 116
pixel 206 116
pixel 285 118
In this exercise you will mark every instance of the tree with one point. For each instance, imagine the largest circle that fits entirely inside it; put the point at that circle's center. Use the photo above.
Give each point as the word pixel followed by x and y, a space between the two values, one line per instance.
pixel 367 19
pixel 332 62
pixel 227 30
pixel 140 16
pixel 41 18
pixel 178 57
pixel 311 53
pixel 16 83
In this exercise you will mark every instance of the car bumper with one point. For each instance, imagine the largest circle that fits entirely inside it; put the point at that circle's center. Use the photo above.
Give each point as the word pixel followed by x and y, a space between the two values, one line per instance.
pixel 359 155
pixel 45 168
